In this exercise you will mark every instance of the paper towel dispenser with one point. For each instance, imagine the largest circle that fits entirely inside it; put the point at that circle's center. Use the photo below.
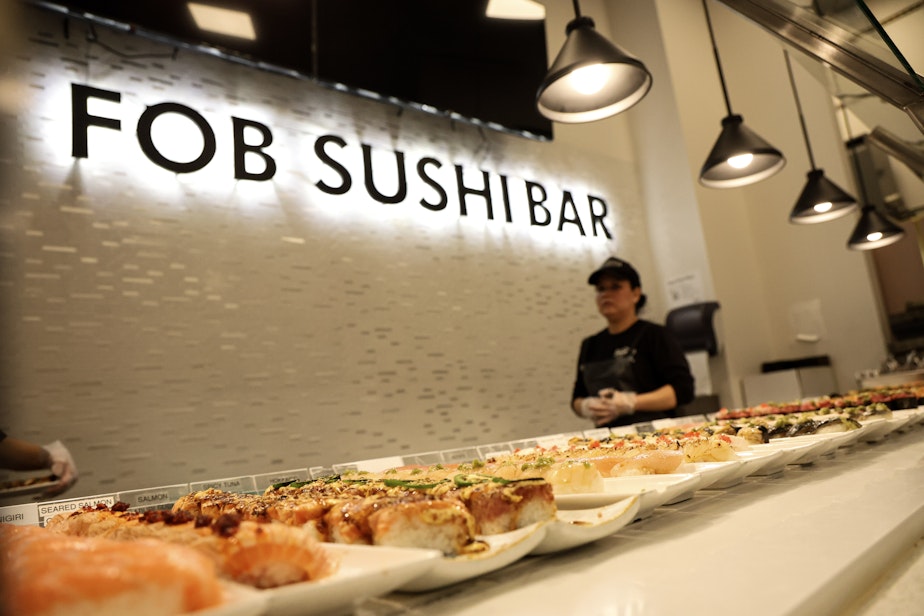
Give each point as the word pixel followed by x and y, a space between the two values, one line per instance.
pixel 693 327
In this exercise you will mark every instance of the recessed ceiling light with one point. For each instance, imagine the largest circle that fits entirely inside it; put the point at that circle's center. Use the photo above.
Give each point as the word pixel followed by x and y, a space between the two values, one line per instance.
pixel 222 21
pixel 515 9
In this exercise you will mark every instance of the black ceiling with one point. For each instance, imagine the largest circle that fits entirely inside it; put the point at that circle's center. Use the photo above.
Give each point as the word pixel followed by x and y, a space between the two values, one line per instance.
pixel 446 54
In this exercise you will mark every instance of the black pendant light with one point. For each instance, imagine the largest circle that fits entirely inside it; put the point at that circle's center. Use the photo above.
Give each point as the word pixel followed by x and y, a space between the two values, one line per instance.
pixel 591 78
pixel 739 156
pixel 821 199
pixel 873 230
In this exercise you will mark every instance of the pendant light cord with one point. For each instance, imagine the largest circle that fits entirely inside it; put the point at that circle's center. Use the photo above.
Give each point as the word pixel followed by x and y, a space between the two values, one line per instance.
pixel 577 9
pixel 795 93
pixel 718 63
pixel 853 156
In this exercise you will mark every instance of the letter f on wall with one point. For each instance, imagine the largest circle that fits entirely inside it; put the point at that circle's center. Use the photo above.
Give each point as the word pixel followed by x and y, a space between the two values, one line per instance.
pixel 82 120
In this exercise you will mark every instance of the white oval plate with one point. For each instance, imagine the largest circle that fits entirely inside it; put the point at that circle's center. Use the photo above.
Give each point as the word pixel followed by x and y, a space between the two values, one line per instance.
pixel 762 462
pixel 877 429
pixel 674 492
pixel 577 527
pixel 365 571
pixel 918 414
pixel 900 422
pixel 656 490
pixel 503 549
pixel 652 490
pixel 792 452
pixel 827 443
pixel 716 474
pixel 240 600
pixel 914 416
pixel 850 437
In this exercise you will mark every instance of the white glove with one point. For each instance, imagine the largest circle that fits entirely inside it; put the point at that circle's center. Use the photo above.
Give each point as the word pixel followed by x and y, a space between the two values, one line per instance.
pixel 585 407
pixel 62 467
pixel 623 402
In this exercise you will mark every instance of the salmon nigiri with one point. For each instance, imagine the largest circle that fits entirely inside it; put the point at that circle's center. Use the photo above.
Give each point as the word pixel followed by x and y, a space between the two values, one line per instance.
pixel 47 573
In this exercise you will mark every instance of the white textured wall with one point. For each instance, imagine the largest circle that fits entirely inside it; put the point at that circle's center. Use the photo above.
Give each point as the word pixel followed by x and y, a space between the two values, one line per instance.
pixel 763 267
pixel 183 328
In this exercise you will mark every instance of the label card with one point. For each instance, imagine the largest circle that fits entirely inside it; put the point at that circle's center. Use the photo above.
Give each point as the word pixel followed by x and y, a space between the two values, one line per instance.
pixel 20 515
pixel 270 479
pixel 46 511
pixel 154 498
pixel 231 484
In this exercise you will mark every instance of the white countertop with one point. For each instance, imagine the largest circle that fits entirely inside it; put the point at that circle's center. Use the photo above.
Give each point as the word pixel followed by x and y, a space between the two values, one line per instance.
pixel 840 535
pixel 899 591
pixel 891 379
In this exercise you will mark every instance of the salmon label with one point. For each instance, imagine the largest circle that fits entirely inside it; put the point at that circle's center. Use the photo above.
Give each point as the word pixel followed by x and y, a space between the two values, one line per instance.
pixel 154 498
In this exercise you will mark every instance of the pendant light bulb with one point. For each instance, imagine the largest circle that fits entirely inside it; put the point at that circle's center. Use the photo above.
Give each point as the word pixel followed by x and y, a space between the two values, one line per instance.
pixel 591 78
pixel 588 80
pixel 741 161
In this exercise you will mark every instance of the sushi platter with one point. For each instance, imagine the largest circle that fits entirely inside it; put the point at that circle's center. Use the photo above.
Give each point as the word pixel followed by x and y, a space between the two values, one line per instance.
pixel 577 518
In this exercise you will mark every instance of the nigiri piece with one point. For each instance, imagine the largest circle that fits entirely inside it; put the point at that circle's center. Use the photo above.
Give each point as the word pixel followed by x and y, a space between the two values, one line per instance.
pixel 45 574
pixel 259 554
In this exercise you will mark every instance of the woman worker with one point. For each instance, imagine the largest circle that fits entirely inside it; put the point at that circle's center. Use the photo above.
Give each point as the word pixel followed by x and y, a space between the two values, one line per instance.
pixel 633 370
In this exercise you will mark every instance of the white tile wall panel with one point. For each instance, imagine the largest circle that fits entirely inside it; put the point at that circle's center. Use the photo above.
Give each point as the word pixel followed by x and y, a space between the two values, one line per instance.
pixel 177 328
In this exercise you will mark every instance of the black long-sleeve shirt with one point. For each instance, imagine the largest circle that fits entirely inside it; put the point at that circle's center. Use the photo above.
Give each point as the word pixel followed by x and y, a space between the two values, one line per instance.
pixel 643 358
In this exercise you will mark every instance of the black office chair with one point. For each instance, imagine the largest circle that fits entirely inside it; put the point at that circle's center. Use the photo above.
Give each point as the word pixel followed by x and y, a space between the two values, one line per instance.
pixel 693 327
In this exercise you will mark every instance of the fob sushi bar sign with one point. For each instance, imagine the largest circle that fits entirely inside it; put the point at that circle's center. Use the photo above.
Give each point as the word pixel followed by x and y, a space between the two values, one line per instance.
pixel 427 184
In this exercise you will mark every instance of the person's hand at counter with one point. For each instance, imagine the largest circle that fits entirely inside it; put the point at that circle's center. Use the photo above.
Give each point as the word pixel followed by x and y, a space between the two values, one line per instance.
pixel 621 402
pixel 62 466
pixel 609 405
pixel 19 455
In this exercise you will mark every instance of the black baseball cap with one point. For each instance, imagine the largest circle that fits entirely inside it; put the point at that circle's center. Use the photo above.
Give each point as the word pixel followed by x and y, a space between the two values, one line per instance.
pixel 617 268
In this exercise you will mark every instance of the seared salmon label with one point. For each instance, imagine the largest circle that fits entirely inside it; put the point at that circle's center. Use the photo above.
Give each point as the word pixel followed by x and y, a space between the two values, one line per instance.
pixel 52 509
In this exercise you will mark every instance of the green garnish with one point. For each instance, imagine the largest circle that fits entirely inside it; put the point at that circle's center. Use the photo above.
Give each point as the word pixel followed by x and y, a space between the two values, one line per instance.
pixel 406 483
pixel 463 480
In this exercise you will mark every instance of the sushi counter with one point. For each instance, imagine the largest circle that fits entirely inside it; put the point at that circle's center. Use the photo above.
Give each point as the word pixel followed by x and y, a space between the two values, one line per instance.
pixel 813 539
pixel 823 524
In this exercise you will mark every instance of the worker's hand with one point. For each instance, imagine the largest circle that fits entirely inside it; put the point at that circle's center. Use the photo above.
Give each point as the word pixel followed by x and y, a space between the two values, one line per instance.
pixel 598 410
pixel 615 403
pixel 588 407
pixel 62 467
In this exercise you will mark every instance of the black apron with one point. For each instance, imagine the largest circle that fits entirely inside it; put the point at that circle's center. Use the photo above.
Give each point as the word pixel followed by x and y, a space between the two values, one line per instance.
pixel 616 372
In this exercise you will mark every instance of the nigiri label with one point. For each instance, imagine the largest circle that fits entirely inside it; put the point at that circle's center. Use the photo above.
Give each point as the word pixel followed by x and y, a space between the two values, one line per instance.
pixel 22 515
